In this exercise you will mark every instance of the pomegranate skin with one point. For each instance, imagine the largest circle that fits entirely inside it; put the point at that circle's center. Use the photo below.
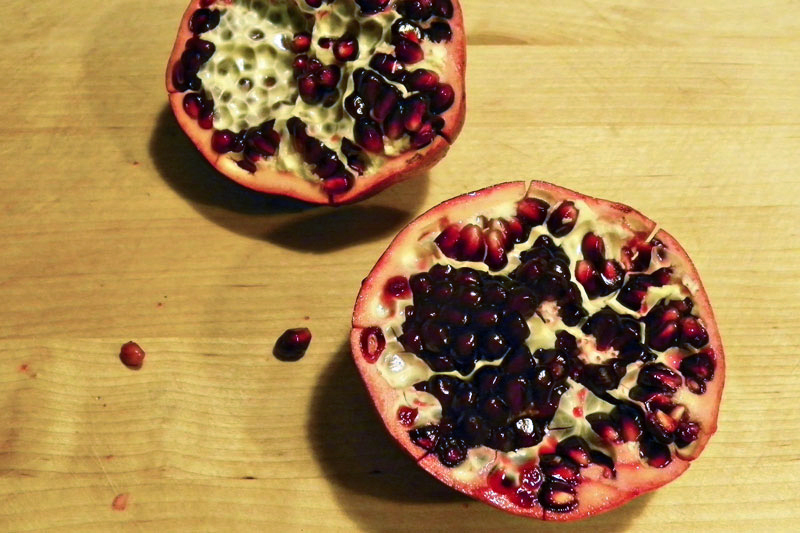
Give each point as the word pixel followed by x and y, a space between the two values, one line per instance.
pixel 599 488
pixel 269 179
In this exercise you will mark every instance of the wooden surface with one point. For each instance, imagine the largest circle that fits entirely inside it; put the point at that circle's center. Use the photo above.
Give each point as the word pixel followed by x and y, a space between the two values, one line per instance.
pixel 114 228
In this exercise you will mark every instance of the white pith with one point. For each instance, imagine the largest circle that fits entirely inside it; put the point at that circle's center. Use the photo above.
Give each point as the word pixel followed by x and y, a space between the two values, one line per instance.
pixel 250 79
pixel 401 370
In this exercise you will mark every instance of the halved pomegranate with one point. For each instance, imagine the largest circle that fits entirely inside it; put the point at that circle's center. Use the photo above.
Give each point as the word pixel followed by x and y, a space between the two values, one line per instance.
pixel 551 354
pixel 327 101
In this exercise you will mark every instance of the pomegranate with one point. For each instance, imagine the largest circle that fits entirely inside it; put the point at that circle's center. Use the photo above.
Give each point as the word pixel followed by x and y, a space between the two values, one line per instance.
pixel 327 101
pixel 549 353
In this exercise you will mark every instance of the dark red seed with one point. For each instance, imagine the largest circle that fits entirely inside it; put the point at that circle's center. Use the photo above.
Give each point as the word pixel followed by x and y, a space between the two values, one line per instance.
pixel 415 109
pixel 692 332
pixel 425 437
pixel 593 248
pixel 307 87
pixel 367 133
pixel 193 104
pixel 345 48
pixel 476 429
pixel 443 8
pixel 576 449
pixel 435 337
pixel 531 477
pixel 416 9
pixel 262 145
pixel 442 98
pixel 386 103
pixel 314 3
pixel 204 20
pixel 495 346
pixel 206 120
pixel 563 219
pixel 372 343
pixel 660 377
pixel 686 434
pixel 439 31
pixel 557 468
pixel 300 65
pixel 205 48
pixel 496 258
pixel 338 183
pixel 329 76
pixel 422 80
pixel 407 415
pixel 466 343
pixel 656 453
pixel 605 428
pixel 495 411
pixel 451 451
pixel 387 65
pixel 398 287
pixel 407 51
pixel 131 354
pixel 629 421
pixel 532 211
pixel 222 141
pixel 486 318
pixel 420 284
pixel 515 327
pixel 558 497
pixel 472 246
pixel 301 42
pixel 699 366
pixel 292 344
pixel 502 439
pixel 528 432
pixel 447 241
pixel 370 7
pixel 517 394
pixel 423 137
pixel 664 338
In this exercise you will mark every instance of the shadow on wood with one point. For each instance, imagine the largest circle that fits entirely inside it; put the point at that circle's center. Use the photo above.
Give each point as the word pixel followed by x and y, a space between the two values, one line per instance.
pixel 284 221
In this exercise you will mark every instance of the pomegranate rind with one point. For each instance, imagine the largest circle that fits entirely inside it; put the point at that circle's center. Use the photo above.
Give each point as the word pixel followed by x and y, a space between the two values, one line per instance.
pixel 271 181
pixel 596 494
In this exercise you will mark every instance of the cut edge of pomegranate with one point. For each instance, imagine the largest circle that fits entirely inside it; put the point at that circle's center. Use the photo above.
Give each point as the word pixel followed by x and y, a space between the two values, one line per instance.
pixel 397 169
pixel 595 496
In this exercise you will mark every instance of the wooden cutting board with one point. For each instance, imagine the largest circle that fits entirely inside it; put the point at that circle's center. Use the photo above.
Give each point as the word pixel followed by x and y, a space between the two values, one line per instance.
pixel 114 228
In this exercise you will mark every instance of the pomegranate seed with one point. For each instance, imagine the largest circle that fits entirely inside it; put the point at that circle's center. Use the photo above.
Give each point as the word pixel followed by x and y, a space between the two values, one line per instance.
pixel 307 87
pixel 593 248
pixel 576 449
pixel 300 65
pixel 415 109
pixel 557 468
pixel 386 103
pixel 407 416
pixel 586 274
pixel 407 51
pixel 443 8
pixel 329 76
pixel 451 451
pixel 557 496
pixel 416 9
pixel 292 344
pixel 664 338
pixel 528 433
pixel 686 434
pixel 393 126
pixel 563 219
pixel 692 332
pixel 517 394
pixel 397 287
pixel 605 428
pixel 440 32
pixel 203 20
pixel 205 48
pixel 193 104
pixel 447 241
pixel 472 246
pixel 532 211
pixel 423 137
pixel 496 257
pixel 442 98
pixel 131 354
pixel 345 48
pixel 531 477
pixel 301 42
pixel 387 65
pixel 699 366
pixel 661 426
pixel 502 439
pixel 338 184
pixel 247 166
pixel 425 437
pixel 367 133
pixel 656 453
pixel 222 141
pixel 422 80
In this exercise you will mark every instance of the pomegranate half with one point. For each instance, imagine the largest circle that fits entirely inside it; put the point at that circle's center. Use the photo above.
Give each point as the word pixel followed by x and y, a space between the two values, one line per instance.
pixel 327 101
pixel 549 353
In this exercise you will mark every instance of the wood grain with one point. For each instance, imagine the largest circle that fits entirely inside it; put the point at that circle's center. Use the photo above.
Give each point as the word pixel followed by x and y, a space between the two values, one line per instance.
pixel 114 228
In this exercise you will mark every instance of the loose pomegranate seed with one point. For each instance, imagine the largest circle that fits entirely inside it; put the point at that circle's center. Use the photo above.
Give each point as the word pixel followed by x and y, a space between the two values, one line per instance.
pixel 292 344
pixel 131 354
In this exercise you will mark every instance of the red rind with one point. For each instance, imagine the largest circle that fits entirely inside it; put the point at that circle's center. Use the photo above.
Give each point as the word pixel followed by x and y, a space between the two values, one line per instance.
pixel 397 169
pixel 596 494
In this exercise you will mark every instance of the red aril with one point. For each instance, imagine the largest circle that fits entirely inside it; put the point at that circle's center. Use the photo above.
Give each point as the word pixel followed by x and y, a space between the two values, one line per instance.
pixel 325 101
pixel 579 372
